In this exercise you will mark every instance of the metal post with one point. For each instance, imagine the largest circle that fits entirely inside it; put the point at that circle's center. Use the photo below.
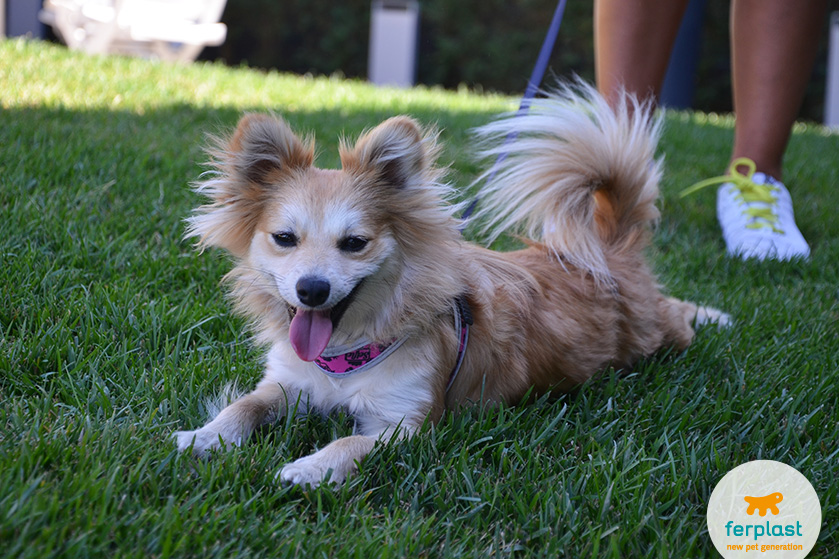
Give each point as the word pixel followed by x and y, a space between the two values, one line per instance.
pixel 831 100
pixel 393 42
pixel 21 19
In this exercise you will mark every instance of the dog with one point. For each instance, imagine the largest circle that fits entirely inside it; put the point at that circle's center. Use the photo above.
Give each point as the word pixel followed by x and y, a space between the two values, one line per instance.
pixel 368 298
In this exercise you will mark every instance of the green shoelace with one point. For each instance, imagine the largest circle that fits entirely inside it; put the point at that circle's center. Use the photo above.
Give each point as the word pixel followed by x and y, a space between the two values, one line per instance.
pixel 747 192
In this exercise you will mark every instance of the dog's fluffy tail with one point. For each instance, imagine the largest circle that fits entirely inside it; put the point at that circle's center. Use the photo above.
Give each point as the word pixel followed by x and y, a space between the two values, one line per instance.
pixel 574 174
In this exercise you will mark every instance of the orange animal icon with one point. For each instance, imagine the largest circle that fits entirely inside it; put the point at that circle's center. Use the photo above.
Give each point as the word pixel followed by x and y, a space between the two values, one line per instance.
pixel 767 502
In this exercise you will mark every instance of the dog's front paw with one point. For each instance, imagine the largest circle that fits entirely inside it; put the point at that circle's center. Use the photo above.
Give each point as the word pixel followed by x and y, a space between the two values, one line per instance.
pixel 201 440
pixel 315 469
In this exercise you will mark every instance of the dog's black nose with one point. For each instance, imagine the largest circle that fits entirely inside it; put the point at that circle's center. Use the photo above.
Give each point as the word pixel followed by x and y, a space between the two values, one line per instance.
pixel 312 291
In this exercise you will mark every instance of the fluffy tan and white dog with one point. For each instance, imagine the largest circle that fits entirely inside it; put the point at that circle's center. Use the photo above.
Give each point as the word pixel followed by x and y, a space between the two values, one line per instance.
pixel 369 299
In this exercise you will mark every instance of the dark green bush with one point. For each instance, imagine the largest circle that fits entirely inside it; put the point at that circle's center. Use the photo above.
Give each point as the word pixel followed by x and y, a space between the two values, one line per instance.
pixel 483 44
pixel 493 44
pixel 489 44
pixel 300 36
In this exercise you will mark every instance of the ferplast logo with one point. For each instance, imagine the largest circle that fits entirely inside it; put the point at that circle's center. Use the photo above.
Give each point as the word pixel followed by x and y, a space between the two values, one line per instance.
pixel 764 507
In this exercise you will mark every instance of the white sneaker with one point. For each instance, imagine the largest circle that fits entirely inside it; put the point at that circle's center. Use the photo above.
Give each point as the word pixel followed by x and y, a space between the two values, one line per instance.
pixel 755 214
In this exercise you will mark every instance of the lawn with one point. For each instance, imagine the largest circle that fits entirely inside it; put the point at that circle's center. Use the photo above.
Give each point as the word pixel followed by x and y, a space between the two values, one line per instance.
pixel 114 332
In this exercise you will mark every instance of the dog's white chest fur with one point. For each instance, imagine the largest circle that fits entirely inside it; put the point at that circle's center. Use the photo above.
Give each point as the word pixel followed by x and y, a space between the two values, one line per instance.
pixel 394 388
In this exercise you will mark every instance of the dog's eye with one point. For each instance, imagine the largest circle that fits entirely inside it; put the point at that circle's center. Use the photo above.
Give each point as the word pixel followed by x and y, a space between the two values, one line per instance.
pixel 352 244
pixel 285 239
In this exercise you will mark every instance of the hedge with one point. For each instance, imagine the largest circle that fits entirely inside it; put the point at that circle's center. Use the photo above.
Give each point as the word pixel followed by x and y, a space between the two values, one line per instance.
pixel 482 44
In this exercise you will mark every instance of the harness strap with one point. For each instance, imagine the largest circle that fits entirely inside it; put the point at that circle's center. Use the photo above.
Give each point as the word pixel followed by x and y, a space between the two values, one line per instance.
pixel 462 321
pixel 341 362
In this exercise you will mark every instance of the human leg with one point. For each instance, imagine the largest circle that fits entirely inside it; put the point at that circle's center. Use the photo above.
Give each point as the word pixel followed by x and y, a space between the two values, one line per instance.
pixel 774 43
pixel 773 47
pixel 632 44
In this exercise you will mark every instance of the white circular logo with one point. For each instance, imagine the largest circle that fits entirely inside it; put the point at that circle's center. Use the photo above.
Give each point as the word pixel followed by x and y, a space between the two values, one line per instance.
pixel 764 507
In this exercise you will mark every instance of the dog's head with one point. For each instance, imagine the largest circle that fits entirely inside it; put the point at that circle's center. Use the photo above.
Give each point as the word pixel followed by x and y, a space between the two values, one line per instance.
pixel 327 247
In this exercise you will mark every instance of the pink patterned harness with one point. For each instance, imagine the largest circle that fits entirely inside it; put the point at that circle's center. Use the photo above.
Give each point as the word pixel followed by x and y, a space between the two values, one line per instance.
pixel 342 362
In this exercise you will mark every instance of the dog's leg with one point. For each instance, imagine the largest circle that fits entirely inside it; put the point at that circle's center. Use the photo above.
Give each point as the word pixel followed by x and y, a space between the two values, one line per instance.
pixel 333 463
pixel 237 421
pixel 706 315
pixel 681 317
pixel 696 315
pixel 338 459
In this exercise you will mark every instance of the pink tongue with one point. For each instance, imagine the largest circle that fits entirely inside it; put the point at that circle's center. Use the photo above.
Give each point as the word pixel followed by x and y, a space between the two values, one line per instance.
pixel 310 332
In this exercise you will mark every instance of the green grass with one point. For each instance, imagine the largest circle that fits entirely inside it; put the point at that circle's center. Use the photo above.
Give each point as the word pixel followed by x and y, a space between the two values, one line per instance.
pixel 113 331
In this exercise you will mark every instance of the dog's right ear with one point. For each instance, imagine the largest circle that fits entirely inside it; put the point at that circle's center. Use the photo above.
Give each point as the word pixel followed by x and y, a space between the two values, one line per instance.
pixel 248 168
pixel 264 145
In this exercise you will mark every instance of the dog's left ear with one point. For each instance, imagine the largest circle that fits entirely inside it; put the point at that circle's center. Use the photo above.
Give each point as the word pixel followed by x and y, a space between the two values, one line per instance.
pixel 395 152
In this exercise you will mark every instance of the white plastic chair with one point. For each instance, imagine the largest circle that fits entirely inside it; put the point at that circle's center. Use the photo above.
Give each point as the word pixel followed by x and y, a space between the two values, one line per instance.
pixel 166 29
